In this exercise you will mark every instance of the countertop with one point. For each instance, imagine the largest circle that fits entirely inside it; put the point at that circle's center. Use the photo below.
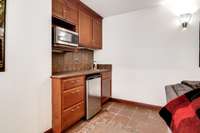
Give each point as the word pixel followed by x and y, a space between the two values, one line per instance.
pixel 79 73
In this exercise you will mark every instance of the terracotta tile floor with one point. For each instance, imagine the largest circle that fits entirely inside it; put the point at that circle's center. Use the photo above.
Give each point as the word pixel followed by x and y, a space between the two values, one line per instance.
pixel 121 118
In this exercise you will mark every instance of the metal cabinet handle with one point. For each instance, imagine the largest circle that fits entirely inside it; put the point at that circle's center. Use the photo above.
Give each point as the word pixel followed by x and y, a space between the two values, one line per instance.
pixel 77 108
pixel 74 92
pixel 77 91
pixel 74 81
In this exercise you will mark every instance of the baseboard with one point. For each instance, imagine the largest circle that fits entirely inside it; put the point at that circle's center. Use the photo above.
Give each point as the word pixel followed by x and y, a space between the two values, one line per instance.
pixel 154 107
pixel 49 131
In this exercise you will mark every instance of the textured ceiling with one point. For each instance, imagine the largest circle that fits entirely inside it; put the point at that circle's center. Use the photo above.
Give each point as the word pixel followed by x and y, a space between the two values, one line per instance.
pixel 113 7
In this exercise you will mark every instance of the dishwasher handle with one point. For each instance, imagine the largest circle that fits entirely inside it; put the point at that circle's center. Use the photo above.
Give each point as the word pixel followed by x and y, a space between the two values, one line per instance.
pixel 90 77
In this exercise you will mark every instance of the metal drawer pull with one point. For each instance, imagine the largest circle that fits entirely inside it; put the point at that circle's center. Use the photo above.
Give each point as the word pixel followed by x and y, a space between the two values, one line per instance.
pixel 73 82
pixel 74 92
pixel 78 91
pixel 77 108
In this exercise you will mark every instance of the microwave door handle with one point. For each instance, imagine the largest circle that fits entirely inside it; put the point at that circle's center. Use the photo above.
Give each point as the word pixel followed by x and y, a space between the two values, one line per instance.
pixel 61 38
pixel 64 40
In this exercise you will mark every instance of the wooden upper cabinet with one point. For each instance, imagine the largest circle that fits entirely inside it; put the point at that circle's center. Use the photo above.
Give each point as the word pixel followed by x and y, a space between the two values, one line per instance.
pixel 86 21
pixel 85 28
pixel 70 11
pixel 90 28
pixel 57 8
pixel 66 10
pixel 97 33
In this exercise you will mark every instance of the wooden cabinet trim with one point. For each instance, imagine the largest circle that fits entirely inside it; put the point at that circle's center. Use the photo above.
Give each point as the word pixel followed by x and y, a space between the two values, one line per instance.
pixel 56 105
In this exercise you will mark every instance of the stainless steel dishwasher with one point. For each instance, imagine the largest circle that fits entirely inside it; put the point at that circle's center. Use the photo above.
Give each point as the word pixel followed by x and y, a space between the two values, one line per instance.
pixel 93 95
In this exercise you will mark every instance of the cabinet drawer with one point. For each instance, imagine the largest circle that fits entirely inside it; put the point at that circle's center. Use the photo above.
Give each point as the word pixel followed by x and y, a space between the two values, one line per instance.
pixel 106 75
pixel 72 115
pixel 72 82
pixel 72 96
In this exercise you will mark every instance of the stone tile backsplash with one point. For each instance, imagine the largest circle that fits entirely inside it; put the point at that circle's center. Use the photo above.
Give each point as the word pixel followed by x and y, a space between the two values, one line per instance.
pixel 72 61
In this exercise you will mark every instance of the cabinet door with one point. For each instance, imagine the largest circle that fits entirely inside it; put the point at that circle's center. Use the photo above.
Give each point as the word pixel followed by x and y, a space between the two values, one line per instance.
pixel 57 8
pixel 97 33
pixel 106 90
pixel 70 11
pixel 72 115
pixel 85 28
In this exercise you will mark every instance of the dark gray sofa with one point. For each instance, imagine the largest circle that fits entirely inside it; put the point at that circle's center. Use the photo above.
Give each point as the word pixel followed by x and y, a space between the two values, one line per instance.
pixel 173 91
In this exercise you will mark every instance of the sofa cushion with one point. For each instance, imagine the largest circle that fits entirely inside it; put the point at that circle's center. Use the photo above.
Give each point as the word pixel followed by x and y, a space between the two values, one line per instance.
pixel 173 91
pixel 192 84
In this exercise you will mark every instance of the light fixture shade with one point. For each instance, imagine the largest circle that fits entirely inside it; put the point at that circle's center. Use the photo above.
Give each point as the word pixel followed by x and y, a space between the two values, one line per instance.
pixel 185 19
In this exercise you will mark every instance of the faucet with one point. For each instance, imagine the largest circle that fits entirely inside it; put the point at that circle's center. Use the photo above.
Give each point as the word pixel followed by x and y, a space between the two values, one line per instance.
pixel 94 64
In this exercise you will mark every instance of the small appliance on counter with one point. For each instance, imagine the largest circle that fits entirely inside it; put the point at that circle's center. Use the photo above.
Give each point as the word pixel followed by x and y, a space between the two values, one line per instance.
pixel 64 37
pixel 93 95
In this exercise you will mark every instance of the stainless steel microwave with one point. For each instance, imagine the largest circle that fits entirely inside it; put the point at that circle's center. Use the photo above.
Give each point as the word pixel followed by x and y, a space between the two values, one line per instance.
pixel 65 37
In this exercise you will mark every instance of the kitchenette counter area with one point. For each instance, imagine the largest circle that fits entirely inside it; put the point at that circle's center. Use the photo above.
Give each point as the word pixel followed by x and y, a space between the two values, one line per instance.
pixel 76 93
pixel 78 73
pixel 80 86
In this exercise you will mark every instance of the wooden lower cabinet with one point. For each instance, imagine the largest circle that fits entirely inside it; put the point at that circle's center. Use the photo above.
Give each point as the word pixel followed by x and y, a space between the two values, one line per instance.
pixel 106 87
pixel 72 115
pixel 72 97
pixel 68 102
pixel 68 99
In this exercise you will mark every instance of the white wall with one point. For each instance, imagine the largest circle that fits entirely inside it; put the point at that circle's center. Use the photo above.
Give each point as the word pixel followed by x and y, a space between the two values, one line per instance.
pixel 149 50
pixel 25 98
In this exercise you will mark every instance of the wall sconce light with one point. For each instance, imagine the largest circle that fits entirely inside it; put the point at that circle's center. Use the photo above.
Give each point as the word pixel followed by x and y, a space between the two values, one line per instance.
pixel 185 19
